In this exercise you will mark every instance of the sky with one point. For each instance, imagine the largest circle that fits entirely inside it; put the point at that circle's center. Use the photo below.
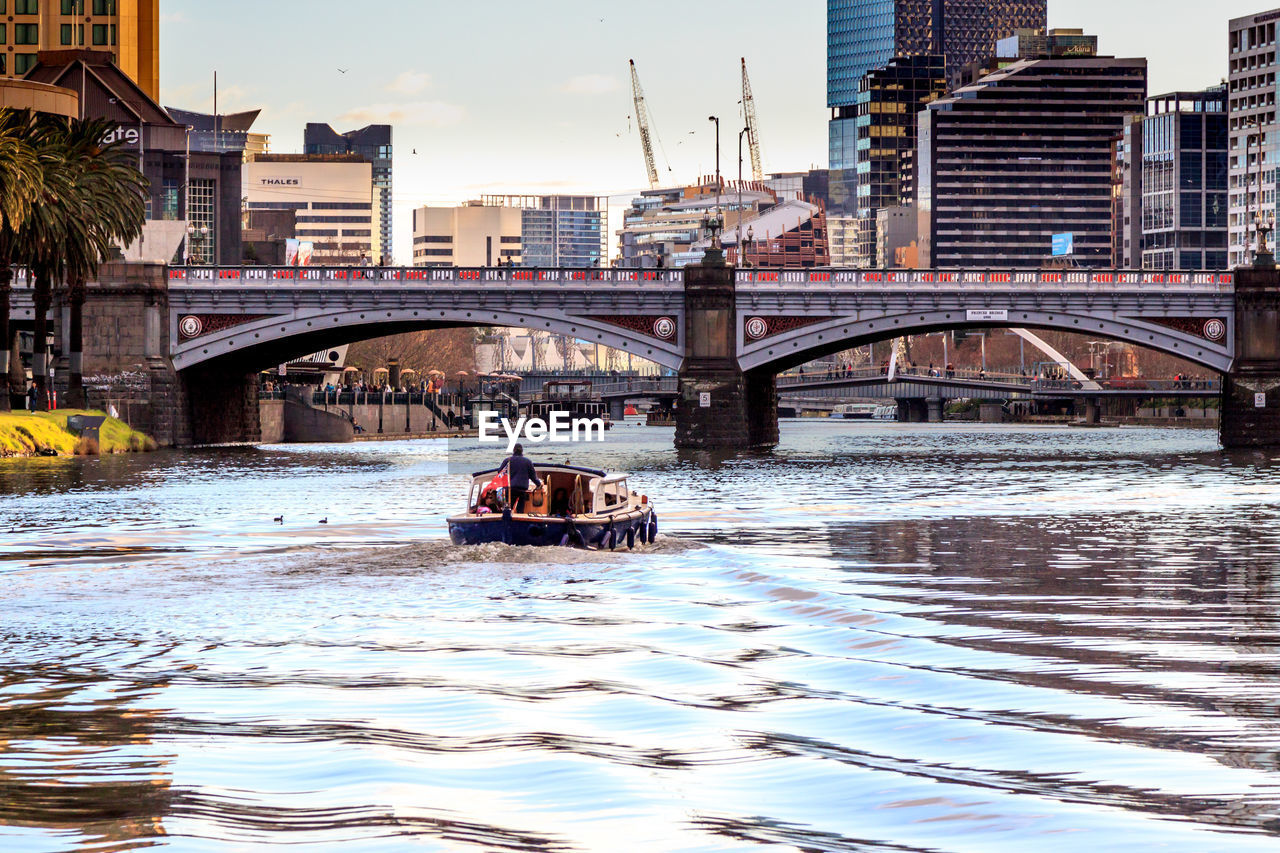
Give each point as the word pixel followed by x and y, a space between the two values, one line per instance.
pixel 532 96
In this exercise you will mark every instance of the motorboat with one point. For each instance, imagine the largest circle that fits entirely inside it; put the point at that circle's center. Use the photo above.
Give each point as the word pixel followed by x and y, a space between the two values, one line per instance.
pixel 575 396
pixel 854 411
pixel 576 507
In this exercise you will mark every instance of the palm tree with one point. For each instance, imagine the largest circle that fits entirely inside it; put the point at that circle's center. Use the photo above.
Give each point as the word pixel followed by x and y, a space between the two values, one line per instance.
pixel 19 185
pixel 110 194
pixel 92 199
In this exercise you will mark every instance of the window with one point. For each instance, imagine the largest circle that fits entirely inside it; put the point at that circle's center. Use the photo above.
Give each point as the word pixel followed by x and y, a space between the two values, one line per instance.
pixel 72 7
pixel 99 33
pixel 25 7
pixel 26 34
pixel 66 33
pixel 3 38
pixel 23 62
pixel 2 63
pixel 102 7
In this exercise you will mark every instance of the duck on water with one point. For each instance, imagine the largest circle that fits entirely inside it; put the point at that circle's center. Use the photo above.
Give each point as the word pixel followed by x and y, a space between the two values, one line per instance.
pixel 567 505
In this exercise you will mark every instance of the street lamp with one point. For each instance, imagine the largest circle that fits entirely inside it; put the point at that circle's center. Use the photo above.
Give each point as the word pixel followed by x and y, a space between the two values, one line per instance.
pixel 738 229
pixel 200 233
pixel 715 238
pixel 751 236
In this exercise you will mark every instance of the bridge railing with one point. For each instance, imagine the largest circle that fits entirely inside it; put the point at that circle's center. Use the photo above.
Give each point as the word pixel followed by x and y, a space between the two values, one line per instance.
pixel 903 374
pixel 422 276
pixel 983 279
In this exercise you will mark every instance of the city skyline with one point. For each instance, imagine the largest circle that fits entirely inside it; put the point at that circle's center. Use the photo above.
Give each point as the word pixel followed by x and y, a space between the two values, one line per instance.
pixel 539 100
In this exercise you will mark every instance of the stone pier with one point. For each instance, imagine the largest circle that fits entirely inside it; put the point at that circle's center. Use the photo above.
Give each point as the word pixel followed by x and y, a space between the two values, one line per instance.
pixel 1251 391
pixel 720 407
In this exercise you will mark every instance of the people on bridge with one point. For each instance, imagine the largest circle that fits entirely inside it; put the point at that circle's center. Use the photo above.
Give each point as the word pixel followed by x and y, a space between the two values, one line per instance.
pixel 520 472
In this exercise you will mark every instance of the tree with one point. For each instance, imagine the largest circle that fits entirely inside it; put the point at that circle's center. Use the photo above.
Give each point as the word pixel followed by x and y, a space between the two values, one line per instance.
pixel 19 184
pixel 113 192
pixel 90 197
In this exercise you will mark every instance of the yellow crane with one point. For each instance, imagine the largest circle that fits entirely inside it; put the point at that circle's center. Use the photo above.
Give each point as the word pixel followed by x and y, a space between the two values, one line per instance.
pixel 753 126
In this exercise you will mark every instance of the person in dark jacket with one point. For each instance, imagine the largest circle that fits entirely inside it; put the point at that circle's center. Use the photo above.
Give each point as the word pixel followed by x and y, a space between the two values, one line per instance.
pixel 520 473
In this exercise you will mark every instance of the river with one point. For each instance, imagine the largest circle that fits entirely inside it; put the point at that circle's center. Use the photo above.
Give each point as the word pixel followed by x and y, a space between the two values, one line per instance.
pixel 881 637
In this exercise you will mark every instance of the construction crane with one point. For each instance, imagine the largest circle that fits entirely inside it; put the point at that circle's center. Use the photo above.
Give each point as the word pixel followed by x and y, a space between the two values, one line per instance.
pixel 643 121
pixel 753 124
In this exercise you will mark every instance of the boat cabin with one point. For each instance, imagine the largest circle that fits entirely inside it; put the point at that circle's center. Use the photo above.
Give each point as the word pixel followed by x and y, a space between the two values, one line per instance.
pixel 566 490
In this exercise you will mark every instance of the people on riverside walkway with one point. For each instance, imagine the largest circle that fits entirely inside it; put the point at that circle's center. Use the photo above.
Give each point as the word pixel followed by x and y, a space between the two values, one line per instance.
pixel 31 397
pixel 520 473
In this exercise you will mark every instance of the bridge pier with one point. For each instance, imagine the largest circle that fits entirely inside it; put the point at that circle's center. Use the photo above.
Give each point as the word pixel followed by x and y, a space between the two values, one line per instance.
pixel 1251 390
pixel 934 405
pixel 1092 410
pixel 913 410
pixel 617 409
pixel 720 406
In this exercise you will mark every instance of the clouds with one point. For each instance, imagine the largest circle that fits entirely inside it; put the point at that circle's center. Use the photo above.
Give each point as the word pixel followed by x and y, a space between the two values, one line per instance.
pixel 410 83
pixel 422 113
pixel 592 84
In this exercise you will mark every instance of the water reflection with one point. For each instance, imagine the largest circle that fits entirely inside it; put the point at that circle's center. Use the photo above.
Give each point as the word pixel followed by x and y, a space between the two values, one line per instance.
pixel 875 639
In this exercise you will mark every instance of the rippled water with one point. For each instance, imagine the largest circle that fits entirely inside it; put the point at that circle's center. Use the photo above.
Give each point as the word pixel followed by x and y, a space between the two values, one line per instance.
pixel 881 637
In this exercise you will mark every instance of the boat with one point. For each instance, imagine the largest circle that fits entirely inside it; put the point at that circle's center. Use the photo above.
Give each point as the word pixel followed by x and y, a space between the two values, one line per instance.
pixel 575 396
pixel 578 507
pixel 855 411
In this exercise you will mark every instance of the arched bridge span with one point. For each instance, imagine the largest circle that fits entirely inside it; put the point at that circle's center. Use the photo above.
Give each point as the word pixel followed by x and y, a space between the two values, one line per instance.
pixel 250 315
pixel 788 318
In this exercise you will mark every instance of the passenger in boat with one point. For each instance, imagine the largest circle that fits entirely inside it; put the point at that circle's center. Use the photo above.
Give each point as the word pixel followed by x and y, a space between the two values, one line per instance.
pixel 559 502
pixel 521 473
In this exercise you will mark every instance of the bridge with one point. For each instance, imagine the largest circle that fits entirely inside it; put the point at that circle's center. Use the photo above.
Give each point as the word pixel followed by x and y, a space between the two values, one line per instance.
pixel 728 331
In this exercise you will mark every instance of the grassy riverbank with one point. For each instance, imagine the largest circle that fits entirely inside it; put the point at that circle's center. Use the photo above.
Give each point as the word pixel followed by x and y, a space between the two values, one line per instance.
pixel 45 434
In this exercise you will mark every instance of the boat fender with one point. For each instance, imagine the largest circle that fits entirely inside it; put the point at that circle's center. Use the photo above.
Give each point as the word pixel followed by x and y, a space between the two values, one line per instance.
pixel 631 538
pixel 653 526
pixel 644 532
pixel 506 526
pixel 611 536
pixel 572 536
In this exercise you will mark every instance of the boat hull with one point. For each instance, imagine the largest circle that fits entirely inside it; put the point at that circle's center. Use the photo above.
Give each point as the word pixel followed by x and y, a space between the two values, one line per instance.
pixel 606 532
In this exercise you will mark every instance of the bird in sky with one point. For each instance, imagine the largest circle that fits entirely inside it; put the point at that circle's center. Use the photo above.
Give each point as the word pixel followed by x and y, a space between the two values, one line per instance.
pixel 342 70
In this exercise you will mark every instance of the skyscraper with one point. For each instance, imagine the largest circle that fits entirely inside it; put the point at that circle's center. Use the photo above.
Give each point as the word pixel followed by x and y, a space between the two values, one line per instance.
pixel 866 34
pixel 1252 126
pixel 373 143
pixel 1022 155
pixel 130 29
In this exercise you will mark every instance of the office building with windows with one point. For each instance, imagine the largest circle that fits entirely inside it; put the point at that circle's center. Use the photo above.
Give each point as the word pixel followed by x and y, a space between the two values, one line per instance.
pixel 129 29
pixel 559 230
pixel 1253 132
pixel 1184 181
pixel 373 143
pixel 889 100
pixel 333 196
pixel 863 35
pixel 194 207
pixel 471 235
pixel 1021 155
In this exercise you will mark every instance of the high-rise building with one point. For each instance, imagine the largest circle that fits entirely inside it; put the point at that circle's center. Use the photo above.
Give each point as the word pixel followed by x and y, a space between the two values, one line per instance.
pixel 129 29
pixel 863 35
pixel 1184 181
pixel 1252 128
pixel 1022 155
pixel 472 235
pixel 889 100
pixel 559 230
pixel 373 143
pixel 333 196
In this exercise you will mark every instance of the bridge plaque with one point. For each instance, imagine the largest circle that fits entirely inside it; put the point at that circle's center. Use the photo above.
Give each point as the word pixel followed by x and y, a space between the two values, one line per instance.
pixel 980 315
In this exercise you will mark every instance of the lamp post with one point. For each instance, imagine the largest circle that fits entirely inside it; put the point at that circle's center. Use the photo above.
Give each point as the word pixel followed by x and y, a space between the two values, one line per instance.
pixel 738 228
pixel 200 234
pixel 751 236
pixel 715 237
